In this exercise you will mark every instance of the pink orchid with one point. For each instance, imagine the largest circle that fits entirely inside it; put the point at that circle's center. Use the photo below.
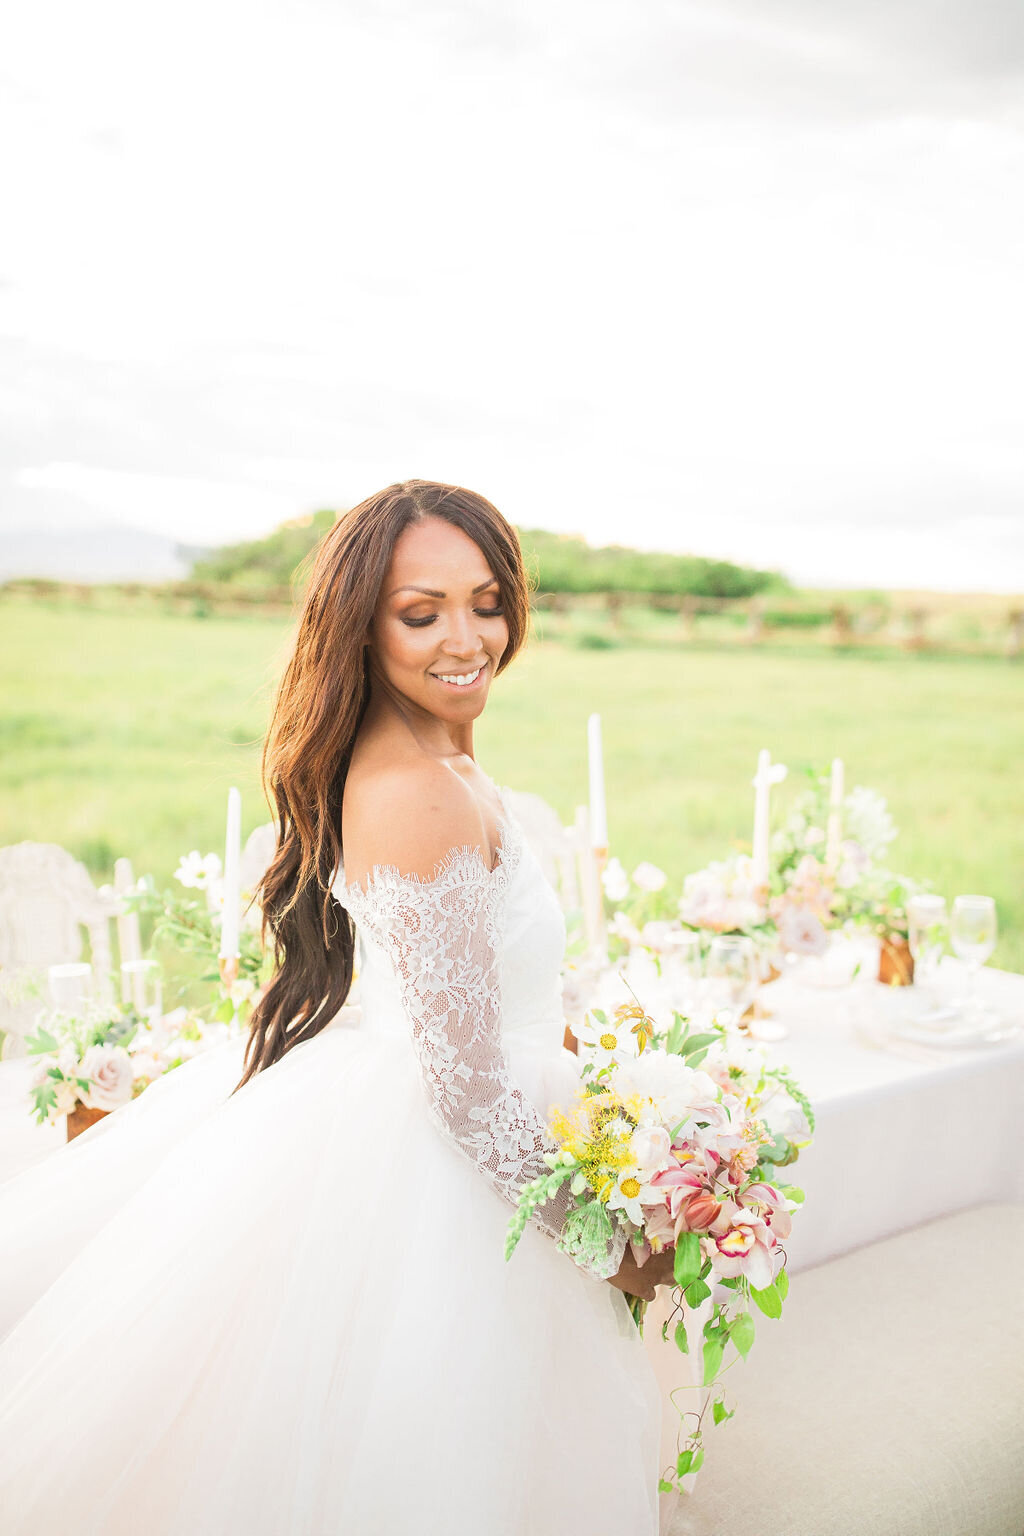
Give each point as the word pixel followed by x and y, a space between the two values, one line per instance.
pixel 772 1207
pixel 697 1213
pixel 679 1184
pixel 659 1229
pixel 741 1243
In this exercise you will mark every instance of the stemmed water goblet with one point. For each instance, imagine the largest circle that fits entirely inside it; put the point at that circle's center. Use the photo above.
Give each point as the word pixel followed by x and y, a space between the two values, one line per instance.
pixel 732 977
pixel 973 935
pixel 927 935
pixel 682 966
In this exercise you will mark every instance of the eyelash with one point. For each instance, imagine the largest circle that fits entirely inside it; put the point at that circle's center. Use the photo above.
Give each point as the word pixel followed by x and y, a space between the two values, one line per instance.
pixel 485 613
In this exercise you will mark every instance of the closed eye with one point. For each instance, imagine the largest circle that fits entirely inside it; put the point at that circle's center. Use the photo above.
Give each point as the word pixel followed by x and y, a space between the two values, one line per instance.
pixel 484 613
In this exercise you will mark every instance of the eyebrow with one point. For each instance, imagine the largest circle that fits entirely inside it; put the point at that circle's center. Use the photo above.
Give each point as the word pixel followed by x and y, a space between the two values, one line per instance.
pixel 428 591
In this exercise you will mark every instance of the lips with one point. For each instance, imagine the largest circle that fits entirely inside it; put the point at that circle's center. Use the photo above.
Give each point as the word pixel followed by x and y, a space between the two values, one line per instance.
pixel 476 673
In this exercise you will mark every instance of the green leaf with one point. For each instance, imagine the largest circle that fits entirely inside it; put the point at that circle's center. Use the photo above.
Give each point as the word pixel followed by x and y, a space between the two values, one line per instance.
pixel 579 1183
pixel 768 1300
pixel 782 1284
pixel 682 1342
pixel 792 1192
pixel 778 1152
pixel 713 1352
pixel 683 1463
pixel 697 1042
pixel 664 1487
pixel 41 1041
pixel 697 1057
pixel 686 1265
pixel 696 1292
pixel 718 1411
pixel 741 1331
pixel 664 1331
pixel 599 1014
pixel 698 1461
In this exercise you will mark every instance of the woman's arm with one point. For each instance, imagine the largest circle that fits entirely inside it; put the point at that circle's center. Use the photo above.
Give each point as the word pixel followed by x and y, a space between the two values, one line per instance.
pixel 438 909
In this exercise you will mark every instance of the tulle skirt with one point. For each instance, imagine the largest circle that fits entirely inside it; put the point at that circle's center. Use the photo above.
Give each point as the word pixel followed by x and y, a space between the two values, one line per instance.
pixel 288 1313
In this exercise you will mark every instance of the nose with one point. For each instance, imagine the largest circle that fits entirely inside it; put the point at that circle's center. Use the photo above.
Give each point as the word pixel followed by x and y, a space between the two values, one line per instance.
pixel 463 638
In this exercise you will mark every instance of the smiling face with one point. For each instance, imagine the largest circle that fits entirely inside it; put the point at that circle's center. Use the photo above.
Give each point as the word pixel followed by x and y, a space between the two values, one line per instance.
pixel 439 617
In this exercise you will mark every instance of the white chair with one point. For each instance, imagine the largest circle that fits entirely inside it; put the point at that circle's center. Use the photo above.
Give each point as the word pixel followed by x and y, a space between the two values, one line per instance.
pixel 46 899
pixel 567 857
pixel 888 1398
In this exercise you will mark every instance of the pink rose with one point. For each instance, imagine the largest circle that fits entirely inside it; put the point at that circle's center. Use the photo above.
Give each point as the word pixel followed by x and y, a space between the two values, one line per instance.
pixel 109 1070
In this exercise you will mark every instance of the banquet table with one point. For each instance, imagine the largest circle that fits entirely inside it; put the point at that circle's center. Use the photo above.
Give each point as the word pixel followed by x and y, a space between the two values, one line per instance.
pixel 904 1132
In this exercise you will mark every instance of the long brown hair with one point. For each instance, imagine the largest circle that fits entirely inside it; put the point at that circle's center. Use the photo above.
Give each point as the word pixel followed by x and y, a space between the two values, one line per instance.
pixel 320 705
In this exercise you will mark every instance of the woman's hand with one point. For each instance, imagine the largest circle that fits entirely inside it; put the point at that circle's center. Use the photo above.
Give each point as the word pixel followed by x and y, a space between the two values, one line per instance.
pixel 637 1280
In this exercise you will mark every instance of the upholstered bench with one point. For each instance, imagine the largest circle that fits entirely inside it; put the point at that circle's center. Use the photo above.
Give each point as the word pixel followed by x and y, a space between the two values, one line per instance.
pixel 888 1400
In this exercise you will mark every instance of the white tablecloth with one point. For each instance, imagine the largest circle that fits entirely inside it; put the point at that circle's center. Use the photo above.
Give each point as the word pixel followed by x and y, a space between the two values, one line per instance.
pixel 903 1134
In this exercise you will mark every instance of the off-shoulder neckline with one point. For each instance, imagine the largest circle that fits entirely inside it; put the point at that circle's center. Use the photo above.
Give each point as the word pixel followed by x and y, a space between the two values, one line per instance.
pixel 453 860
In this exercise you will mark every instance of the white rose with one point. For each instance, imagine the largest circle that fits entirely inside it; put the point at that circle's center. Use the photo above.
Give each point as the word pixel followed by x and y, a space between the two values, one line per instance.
pixel 615 881
pixel 651 1148
pixel 649 877
pixel 109 1070
pixel 147 1064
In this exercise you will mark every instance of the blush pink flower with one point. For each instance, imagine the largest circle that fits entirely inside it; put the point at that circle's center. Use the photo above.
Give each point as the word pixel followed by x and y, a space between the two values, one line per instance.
pixel 771 1204
pixel 741 1243
pixel 697 1213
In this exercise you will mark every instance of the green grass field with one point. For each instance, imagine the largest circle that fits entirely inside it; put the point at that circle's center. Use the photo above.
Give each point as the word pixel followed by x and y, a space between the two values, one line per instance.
pixel 120 733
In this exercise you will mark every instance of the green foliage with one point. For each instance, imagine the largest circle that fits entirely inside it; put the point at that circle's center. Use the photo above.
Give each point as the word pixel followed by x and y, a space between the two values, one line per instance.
pixel 564 562
pixel 768 1299
pixel 687 1260
pixel 796 1094
pixel 713 1351
pixel 741 1331
pixel 560 563
pixel 269 562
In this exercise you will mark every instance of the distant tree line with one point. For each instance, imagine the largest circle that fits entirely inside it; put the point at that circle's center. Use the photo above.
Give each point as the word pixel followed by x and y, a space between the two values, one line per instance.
pixel 558 562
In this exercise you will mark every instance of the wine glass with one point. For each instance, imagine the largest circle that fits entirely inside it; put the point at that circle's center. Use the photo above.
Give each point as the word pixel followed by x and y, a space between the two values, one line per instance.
pixel 973 934
pixel 927 934
pixel 682 967
pixel 69 984
pixel 141 987
pixel 732 976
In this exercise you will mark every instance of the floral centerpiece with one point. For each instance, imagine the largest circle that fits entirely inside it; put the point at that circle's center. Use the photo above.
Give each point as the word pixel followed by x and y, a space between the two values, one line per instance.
pixel 93 1060
pixel 85 1068
pixel 812 895
pixel 191 925
pixel 678 1139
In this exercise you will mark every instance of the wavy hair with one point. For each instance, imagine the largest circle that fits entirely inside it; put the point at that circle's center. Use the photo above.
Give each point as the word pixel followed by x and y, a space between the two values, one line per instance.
pixel 318 710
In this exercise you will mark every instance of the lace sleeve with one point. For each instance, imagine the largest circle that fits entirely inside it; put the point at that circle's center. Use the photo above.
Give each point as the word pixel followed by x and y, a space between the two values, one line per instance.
pixel 443 936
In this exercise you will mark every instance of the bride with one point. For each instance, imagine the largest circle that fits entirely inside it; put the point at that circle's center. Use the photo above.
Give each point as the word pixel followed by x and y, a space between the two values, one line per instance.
pixel 269 1296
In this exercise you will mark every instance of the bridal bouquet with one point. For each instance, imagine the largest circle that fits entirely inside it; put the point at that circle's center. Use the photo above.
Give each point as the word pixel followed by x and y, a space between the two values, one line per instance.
pixel 678 1138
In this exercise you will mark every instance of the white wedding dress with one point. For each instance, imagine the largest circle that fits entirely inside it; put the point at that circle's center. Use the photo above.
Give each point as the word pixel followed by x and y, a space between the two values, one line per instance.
pixel 287 1312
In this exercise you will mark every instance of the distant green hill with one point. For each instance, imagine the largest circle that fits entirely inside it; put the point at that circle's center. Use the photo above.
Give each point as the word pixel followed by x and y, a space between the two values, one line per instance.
pixel 560 563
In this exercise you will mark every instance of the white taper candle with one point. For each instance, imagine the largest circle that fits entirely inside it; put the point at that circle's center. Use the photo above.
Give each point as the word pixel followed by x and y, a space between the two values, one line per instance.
pixel 595 760
pixel 762 792
pixel 231 914
pixel 834 834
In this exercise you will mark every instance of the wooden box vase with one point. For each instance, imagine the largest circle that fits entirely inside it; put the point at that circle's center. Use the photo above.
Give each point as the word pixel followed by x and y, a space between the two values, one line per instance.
pixel 895 962
pixel 80 1118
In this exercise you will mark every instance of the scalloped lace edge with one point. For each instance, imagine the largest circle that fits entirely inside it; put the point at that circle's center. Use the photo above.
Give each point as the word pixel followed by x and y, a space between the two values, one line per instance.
pixel 455 861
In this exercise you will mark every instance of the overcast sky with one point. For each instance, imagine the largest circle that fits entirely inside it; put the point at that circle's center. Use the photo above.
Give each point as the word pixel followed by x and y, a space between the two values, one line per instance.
pixel 741 277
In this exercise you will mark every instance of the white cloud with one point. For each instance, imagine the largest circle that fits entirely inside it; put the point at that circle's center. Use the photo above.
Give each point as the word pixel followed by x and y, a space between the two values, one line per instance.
pixel 671 276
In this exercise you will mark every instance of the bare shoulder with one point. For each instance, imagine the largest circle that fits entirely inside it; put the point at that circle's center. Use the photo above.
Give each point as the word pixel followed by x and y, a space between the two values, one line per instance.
pixel 409 815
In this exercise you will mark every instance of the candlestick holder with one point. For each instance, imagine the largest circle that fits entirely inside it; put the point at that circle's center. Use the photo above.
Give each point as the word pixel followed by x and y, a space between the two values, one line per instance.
pixel 228 970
